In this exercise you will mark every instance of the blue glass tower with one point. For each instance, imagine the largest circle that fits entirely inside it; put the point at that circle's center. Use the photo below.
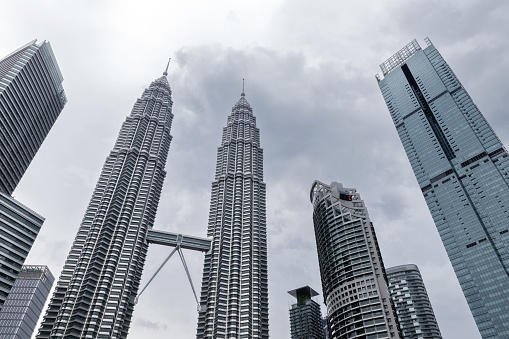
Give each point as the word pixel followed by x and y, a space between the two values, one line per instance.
pixel 462 169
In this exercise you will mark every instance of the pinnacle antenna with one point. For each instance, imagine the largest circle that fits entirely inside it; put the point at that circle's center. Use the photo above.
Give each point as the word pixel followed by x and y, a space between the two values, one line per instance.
pixel 242 94
pixel 166 72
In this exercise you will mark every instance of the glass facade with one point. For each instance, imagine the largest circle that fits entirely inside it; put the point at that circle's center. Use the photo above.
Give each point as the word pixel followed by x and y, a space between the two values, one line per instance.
pixel 19 227
pixel 234 295
pixel 24 305
pixel 94 296
pixel 413 307
pixel 31 99
pixel 462 169
pixel 353 275
pixel 305 315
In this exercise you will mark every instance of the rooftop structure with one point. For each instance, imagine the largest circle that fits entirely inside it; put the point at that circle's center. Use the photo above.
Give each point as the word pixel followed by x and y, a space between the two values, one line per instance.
pixel 305 315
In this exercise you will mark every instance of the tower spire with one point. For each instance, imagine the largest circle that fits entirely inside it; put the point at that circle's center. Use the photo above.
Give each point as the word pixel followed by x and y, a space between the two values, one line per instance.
pixel 242 94
pixel 166 72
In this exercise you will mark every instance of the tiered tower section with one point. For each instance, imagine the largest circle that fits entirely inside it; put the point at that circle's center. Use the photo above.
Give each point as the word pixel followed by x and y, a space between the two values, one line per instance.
pixel 94 297
pixel 234 293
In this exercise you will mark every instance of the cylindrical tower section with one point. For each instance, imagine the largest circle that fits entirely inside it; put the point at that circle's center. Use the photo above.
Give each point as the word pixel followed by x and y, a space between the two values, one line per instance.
pixel 415 313
pixel 351 267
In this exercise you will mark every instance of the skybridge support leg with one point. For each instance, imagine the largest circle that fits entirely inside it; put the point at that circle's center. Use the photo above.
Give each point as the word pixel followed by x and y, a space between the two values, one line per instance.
pixel 179 241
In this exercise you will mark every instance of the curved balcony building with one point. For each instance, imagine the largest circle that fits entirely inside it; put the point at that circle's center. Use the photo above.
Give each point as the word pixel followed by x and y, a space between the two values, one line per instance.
pixel 413 307
pixel 353 276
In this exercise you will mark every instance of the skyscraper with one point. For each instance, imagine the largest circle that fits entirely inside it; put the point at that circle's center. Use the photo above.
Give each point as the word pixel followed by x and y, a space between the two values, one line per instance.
pixel 94 296
pixel 234 287
pixel 305 315
pixel 413 307
pixel 24 305
pixel 325 328
pixel 31 99
pixel 353 276
pixel 462 169
pixel 19 226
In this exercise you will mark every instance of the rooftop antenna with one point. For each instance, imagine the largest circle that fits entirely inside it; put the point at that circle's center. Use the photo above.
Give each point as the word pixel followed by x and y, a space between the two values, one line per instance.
pixel 243 87
pixel 166 72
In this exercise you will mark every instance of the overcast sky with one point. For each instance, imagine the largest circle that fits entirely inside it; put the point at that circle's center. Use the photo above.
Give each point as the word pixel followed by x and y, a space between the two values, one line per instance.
pixel 309 70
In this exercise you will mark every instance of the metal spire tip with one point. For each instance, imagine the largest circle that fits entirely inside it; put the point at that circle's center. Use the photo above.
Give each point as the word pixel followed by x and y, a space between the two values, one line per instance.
pixel 165 73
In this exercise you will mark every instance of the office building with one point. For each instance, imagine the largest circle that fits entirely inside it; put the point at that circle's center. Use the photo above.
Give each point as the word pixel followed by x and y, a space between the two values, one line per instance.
pixel 24 305
pixel 462 169
pixel 354 282
pixel 19 227
pixel 413 307
pixel 31 99
pixel 94 296
pixel 305 315
pixel 234 293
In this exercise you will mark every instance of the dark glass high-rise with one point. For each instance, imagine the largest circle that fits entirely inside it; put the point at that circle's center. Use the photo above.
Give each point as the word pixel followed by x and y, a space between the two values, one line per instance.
pixel 31 99
pixel 25 302
pixel 305 315
pixel 462 169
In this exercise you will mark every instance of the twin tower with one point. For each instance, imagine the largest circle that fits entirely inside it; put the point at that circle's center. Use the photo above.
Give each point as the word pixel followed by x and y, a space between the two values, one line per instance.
pixel 96 292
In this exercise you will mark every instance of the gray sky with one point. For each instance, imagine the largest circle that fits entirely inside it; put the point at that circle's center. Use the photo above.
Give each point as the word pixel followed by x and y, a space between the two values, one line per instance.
pixel 309 70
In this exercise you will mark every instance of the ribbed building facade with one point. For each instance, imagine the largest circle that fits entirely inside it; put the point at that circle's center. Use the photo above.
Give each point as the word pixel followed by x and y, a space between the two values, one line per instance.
pixel 24 305
pixel 415 314
pixel 305 315
pixel 234 294
pixel 31 99
pixel 462 169
pixel 94 296
pixel 353 277
pixel 19 226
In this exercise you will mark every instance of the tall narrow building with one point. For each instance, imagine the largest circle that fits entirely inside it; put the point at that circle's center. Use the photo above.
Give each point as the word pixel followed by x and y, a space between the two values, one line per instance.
pixel 19 226
pixel 31 99
pixel 415 314
pixel 24 305
pixel 353 276
pixel 462 169
pixel 94 296
pixel 305 315
pixel 234 294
